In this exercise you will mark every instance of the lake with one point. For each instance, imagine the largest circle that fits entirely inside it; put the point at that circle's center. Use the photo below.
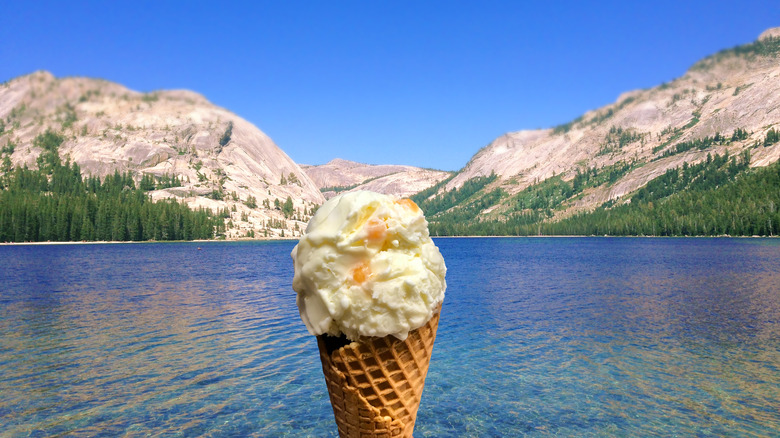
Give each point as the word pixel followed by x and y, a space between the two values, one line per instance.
pixel 538 337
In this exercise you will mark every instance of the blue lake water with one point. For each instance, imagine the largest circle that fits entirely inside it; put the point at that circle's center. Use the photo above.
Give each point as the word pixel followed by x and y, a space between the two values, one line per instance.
pixel 538 337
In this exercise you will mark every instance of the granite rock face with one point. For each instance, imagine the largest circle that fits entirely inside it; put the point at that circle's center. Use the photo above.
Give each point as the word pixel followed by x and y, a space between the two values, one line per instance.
pixel 222 160
pixel 342 175
pixel 734 88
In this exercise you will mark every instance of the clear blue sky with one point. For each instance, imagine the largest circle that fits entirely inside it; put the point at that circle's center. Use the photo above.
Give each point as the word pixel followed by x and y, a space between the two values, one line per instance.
pixel 425 83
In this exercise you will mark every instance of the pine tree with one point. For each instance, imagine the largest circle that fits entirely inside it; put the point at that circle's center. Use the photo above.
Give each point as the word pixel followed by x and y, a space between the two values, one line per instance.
pixel 287 208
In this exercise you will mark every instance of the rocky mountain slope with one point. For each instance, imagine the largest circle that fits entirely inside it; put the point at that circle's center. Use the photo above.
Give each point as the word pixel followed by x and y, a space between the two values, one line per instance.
pixel 221 161
pixel 726 103
pixel 644 133
pixel 340 175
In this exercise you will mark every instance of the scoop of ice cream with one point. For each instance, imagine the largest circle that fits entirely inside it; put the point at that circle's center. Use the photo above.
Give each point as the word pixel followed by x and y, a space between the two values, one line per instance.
pixel 366 266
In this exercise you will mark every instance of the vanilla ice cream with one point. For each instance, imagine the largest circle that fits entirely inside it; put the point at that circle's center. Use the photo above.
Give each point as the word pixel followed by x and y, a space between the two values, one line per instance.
pixel 366 266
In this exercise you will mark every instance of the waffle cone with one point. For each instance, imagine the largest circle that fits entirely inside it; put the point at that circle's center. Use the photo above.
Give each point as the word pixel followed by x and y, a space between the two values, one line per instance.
pixel 375 385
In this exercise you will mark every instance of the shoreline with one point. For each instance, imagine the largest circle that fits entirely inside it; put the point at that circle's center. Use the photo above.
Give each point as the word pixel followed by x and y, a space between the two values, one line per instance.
pixel 720 236
pixel 120 242
pixel 556 236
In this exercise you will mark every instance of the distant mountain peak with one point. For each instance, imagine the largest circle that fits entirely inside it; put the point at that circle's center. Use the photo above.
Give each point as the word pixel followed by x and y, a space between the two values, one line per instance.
pixel 773 32
pixel 340 175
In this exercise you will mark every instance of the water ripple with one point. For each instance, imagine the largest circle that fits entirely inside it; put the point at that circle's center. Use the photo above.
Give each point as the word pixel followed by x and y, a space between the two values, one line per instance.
pixel 540 337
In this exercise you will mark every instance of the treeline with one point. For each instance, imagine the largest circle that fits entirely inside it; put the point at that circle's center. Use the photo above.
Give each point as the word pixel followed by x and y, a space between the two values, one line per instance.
pixel 705 142
pixel 593 177
pixel 720 196
pixel 617 138
pixel 767 47
pixel 553 192
pixel 467 212
pixel 149 182
pixel 54 203
pixel 711 173
pixel 457 211
pixel 444 201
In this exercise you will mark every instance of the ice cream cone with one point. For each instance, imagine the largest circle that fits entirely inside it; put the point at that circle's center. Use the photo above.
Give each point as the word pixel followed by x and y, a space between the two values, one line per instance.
pixel 375 385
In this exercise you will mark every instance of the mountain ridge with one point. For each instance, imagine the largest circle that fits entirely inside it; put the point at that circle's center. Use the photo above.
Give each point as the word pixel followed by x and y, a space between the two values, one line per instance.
pixel 224 162
pixel 725 104
pixel 339 175
pixel 647 130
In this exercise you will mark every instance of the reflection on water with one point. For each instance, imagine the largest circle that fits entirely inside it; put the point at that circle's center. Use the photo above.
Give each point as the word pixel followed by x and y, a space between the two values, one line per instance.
pixel 631 337
pixel 157 339
pixel 566 337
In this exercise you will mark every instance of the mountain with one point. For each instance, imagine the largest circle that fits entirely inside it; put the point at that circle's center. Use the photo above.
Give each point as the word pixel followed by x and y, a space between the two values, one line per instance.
pixel 219 160
pixel 698 133
pixel 726 103
pixel 342 175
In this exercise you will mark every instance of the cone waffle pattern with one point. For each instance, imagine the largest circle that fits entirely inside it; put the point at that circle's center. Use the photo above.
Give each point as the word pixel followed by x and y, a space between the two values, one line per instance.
pixel 375 385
